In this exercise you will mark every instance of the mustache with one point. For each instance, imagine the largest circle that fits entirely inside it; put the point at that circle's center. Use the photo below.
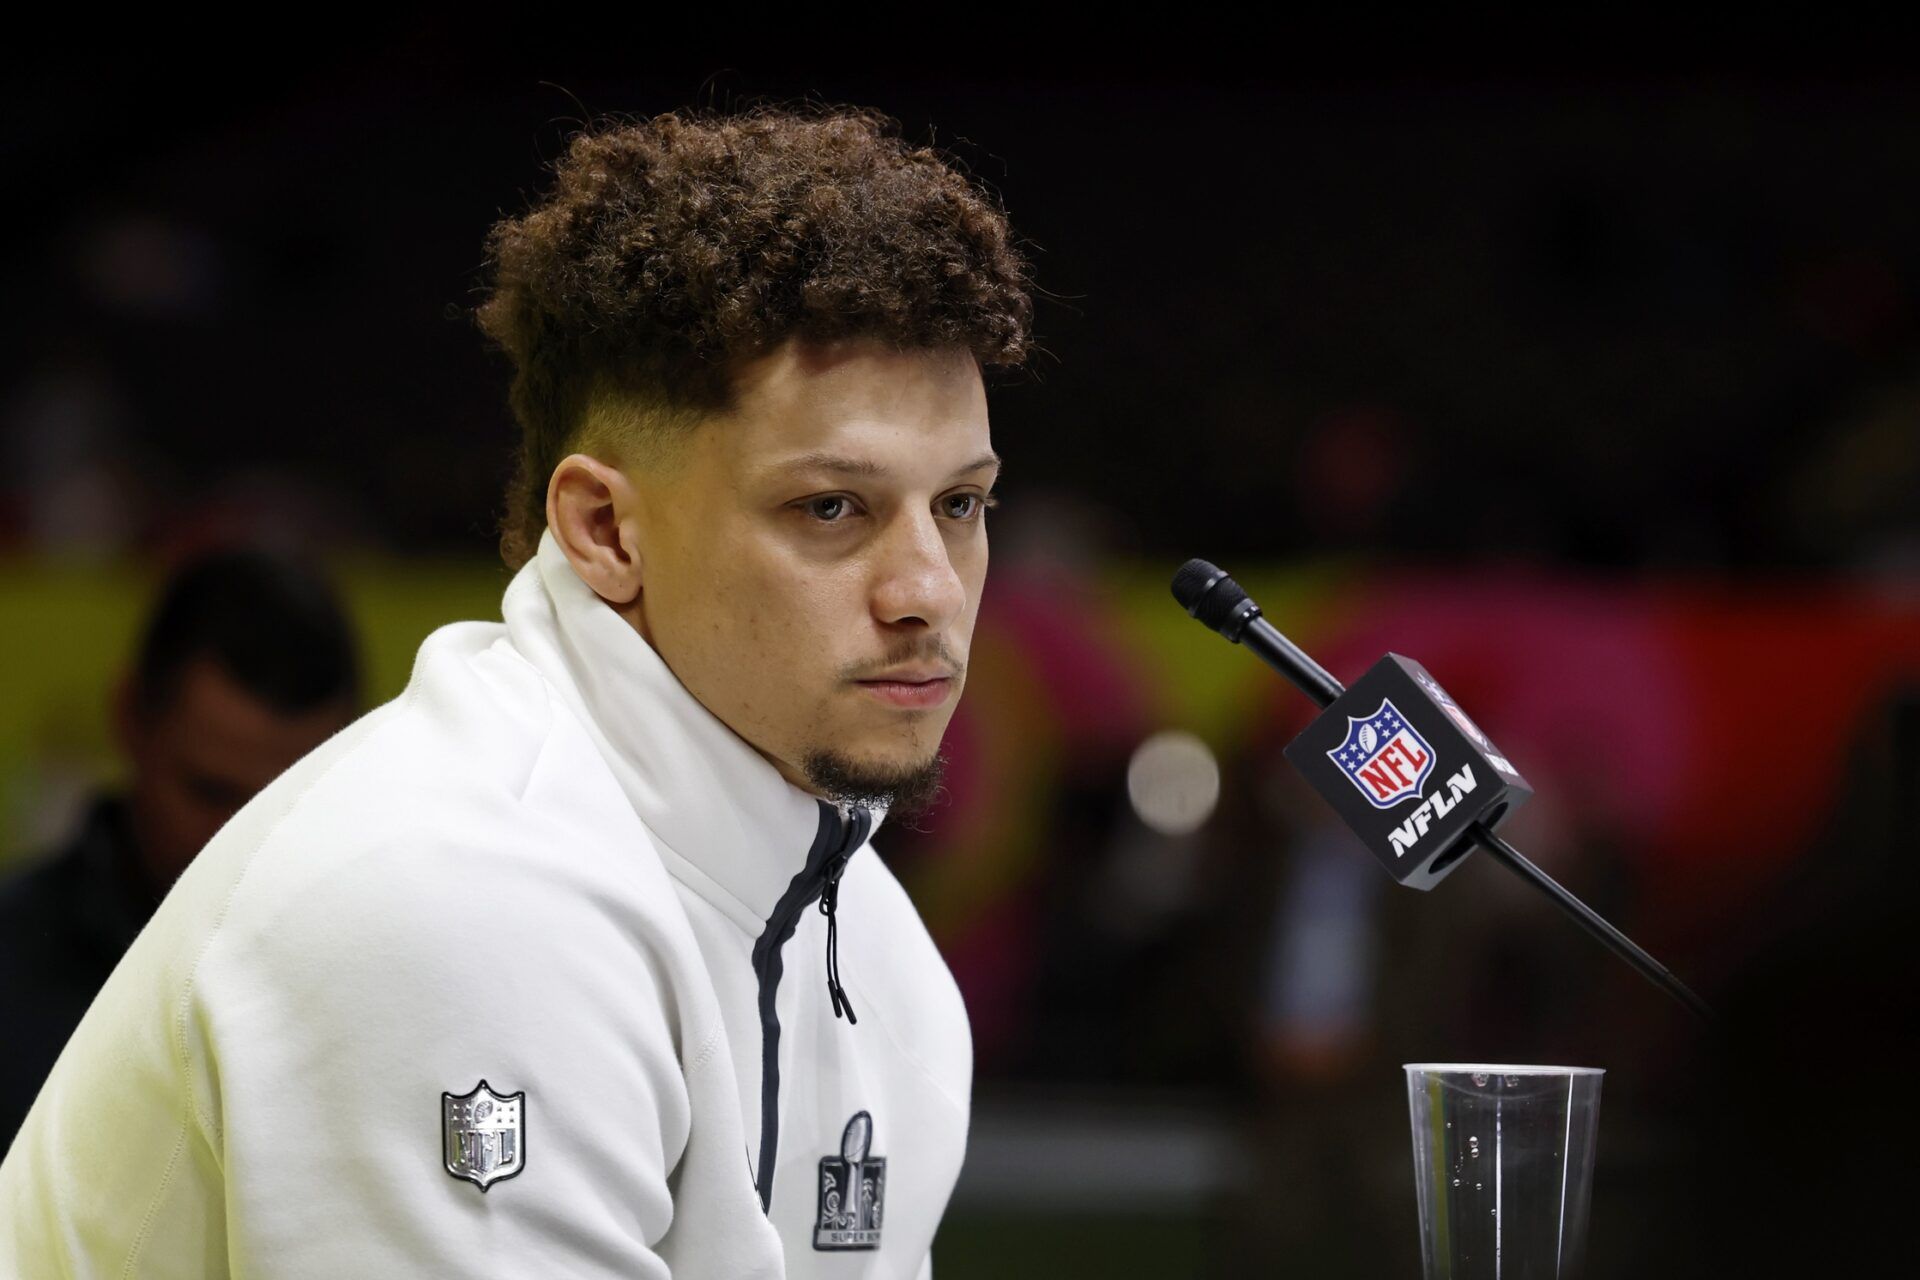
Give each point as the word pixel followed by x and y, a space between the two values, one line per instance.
pixel 905 655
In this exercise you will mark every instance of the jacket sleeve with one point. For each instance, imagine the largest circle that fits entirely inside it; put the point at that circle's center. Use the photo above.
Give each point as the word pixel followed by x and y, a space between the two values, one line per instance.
pixel 336 1031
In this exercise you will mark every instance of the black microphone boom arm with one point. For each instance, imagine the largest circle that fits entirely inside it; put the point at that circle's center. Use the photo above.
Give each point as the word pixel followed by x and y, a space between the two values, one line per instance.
pixel 1207 593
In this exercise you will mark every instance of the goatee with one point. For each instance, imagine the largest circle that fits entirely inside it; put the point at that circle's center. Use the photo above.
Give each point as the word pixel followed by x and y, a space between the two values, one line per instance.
pixel 906 792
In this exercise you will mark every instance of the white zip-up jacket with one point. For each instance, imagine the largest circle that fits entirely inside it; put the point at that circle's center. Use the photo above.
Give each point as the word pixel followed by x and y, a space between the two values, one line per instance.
pixel 524 973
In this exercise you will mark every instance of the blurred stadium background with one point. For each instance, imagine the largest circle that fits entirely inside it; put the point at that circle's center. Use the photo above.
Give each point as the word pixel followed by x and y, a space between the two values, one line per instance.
pixel 1599 395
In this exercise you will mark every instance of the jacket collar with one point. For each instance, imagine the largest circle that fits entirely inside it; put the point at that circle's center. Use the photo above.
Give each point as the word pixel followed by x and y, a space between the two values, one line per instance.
pixel 729 825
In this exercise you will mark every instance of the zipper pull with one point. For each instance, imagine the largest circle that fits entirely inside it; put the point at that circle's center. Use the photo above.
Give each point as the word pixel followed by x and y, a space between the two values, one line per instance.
pixel 829 900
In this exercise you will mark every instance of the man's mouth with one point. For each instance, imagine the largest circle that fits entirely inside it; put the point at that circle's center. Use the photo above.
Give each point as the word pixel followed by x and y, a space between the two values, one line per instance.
pixel 911 688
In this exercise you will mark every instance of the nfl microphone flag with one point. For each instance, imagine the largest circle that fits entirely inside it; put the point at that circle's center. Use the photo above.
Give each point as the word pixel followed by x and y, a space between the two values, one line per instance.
pixel 1406 768
pixel 1403 765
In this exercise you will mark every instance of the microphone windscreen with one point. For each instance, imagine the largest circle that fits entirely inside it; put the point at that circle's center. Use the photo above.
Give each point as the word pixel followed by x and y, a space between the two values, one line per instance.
pixel 1205 591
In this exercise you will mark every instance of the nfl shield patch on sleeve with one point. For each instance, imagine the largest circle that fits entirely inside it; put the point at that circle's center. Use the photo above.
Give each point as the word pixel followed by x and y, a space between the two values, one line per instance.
pixel 483 1134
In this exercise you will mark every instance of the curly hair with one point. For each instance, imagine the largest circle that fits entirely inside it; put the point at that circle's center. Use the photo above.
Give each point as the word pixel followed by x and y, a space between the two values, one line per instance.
pixel 670 249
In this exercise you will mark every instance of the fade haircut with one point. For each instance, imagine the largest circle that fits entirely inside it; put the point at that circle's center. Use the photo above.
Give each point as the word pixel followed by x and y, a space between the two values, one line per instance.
pixel 670 249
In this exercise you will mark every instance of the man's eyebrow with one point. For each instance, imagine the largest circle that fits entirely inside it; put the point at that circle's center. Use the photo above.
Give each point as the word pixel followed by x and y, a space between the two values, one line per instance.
pixel 867 467
pixel 987 459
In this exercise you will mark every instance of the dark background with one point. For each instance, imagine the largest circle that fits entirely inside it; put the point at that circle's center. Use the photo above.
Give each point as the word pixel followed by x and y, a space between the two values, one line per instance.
pixel 1633 312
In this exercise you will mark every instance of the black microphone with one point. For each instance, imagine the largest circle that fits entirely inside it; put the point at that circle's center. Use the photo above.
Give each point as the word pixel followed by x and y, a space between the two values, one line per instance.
pixel 1396 737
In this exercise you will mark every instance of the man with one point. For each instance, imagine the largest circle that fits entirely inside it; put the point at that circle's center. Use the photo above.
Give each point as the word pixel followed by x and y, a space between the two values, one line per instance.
pixel 575 960
pixel 246 665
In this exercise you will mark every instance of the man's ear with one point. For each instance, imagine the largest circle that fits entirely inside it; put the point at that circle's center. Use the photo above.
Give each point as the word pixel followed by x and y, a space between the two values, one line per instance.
pixel 593 511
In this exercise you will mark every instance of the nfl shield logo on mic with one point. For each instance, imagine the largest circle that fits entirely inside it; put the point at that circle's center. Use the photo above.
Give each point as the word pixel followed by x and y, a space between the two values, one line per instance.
pixel 1384 757
pixel 483 1134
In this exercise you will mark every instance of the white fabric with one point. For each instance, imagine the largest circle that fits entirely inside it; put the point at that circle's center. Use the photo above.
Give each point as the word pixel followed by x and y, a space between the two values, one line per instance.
pixel 545 865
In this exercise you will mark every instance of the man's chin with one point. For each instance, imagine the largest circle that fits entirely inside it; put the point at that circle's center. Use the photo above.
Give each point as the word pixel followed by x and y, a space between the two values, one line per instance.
pixel 906 789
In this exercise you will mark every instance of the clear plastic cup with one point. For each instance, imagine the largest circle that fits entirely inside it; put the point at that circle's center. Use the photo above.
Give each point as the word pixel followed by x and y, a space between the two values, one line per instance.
pixel 1503 1164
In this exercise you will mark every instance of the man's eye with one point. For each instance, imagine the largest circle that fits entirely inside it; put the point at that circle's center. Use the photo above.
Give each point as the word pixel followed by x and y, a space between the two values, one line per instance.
pixel 968 506
pixel 829 509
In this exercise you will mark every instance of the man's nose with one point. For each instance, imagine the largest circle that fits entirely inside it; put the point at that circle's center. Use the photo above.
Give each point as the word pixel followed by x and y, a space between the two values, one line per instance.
pixel 917 580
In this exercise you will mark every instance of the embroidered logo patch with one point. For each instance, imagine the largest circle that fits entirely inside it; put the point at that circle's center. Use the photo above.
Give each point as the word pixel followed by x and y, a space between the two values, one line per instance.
pixel 483 1134
pixel 853 1191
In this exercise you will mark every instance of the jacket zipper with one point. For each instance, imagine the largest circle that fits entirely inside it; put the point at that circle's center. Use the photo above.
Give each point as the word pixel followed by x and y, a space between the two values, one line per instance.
pixel 838 838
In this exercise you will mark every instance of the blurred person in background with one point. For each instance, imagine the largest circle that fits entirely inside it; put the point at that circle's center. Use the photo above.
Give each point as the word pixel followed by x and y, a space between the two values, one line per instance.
pixel 247 664
pixel 1803 1096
